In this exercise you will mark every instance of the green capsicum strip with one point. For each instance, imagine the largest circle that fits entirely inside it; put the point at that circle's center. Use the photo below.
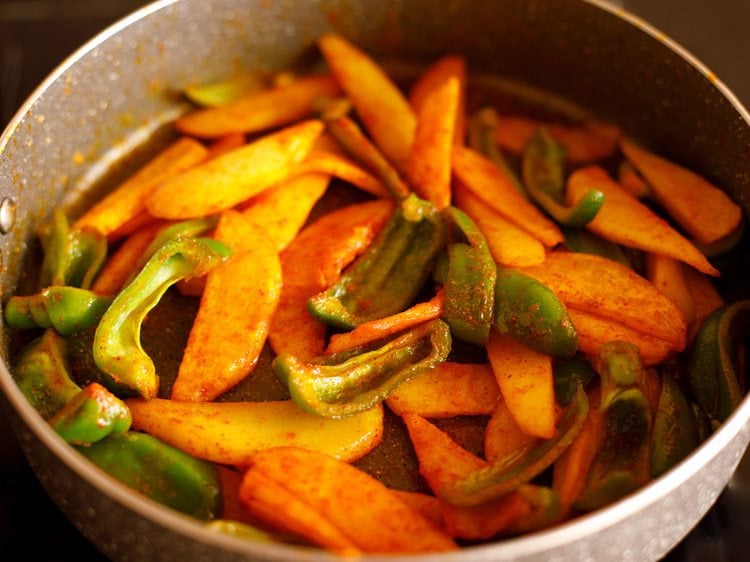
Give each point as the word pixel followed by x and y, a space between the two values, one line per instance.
pixel 543 171
pixel 545 509
pixel 388 276
pixel 482 127
pixel 90 416
pixel 711 378
pixel 117 347
pixel 568 376
pixel 470 282
pixel 160 472
pixel 354 381
pixel 675 434
pixel 583 242
pixel 71 257
pixel 529 312
pixel 67 309
pixel 509 472
pixel 42 375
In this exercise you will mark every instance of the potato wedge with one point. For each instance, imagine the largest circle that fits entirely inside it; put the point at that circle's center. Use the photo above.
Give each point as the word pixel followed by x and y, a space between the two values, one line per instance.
pixel 428 506
pixel 128 200
pixel 503 436
pixel 322 161
pixel 429 165
pixel 258 111
pixel 313 262
pixel 705 296
pixel 235 313
pixel 667 275
pixel 492 186
pixel 700 208
pixel 450 389
pixel 625 220
pixel 231 432
pixel 379 103
pixel 509 244
pixel 225 144
pixel 526 384
pixel 236 176
pixel 609 290
pixel 367 512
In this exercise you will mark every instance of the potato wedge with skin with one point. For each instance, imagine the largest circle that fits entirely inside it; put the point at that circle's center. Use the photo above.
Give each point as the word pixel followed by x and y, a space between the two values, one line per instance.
pixel 667 275
pixel 321 161
pixel 451 66
pixel 502 435
pixel 235 313
pixel 509 244
pixel 382 107
pixel 128 201
pixel 612 291
pixel 282 210
pixel 374 330
pixel 700 208
pixel 313 262
pixel 429 165
pixel 631 181
pixel 231 432
pixel 491 185
pixel 625 220
pixel 236 176
pixel 428 506
pixel 450 389
pixel 225 144
pixel 368 513
pixel 258 111
pixel 594 331
pixel 587 142
pixel 526 384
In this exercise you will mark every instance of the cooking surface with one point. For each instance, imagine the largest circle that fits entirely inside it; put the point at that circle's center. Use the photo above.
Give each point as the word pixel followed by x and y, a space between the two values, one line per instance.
pixel 35 35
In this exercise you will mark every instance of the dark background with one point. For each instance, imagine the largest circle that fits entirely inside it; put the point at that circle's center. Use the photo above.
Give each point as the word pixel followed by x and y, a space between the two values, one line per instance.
pixel 35 35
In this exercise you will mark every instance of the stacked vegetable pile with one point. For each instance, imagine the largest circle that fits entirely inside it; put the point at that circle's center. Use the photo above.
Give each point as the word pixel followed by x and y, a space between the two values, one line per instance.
pixel 600 354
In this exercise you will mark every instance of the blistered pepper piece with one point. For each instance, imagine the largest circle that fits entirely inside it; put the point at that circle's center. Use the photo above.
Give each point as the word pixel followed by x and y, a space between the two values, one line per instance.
pixel 529 312
pixel 118 353
pixel 90 416
pixel 388 276
pixel 711 377
pixel 469 283
pixel 160 472
pixel 41 373
pixel 568 376
pixel 353 381
pixel 67 309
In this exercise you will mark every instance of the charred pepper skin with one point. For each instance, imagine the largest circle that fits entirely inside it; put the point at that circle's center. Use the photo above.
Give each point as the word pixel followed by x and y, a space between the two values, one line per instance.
pixel 160 472
pixel 529 312
pixel 125 367
pixel 388 276
pixel 90 416
pixel 353 381
pixel 42 375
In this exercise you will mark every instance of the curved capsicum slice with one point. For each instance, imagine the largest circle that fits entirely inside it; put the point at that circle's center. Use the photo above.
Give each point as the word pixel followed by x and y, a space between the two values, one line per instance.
pixel 529 312
pixel 712 378
pixel 543 171
pixel 118 353
pixel 42 375
pixel 469 282
pixel 67 309
pixel 387 277
pixel 91 415
pixel 353 381
pixel 160 472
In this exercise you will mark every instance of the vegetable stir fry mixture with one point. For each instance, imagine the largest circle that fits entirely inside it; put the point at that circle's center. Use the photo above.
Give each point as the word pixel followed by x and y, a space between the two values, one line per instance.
pixel 477 323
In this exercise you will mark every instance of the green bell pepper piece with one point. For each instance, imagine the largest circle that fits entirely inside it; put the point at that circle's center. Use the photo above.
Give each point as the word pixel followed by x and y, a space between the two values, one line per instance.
pixel 545 509
pixel 470 282
pixel 543 171
pixel 583 242
pixel 118 353
pixel 569 375
pixel 353 381
pixel 71 257
pixel 507 473
pixel 711 377
pixel 675 434
pixel 67 309
pixel 42 375
pixel 528 311
pixel 160 472
pixel 91 415
pixel 388 276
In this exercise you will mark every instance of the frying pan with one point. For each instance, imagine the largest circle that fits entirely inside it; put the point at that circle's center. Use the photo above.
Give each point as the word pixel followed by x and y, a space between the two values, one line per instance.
pixel 119 89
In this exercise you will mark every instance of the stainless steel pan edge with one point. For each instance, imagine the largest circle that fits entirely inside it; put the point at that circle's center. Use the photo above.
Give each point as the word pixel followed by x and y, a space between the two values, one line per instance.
pixel 35 154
